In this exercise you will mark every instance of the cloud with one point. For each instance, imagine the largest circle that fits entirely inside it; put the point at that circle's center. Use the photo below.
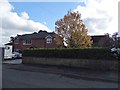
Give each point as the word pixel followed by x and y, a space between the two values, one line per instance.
pixel 100 16
pixel 45 23
pixel 5 6
pixel 13 24
pixel 24 15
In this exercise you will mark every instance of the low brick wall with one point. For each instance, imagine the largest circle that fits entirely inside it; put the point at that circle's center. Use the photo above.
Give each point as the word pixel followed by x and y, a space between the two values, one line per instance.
pixel 83 63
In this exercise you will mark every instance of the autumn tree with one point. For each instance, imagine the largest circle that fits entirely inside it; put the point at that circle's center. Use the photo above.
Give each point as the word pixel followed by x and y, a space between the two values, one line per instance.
pixel 72 32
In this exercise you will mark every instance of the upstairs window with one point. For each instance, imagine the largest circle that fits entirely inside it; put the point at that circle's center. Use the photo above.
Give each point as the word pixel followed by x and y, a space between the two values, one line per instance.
pixel 49 40
pixel 27 42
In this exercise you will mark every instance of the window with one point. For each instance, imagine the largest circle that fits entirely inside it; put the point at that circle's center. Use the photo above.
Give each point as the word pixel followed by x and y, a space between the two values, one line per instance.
pixel 27 42
pixel 49 40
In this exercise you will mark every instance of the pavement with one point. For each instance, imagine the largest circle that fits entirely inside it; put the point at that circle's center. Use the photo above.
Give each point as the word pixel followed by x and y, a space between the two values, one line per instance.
pixel 76 73
pixel 25 76
pixel 16 61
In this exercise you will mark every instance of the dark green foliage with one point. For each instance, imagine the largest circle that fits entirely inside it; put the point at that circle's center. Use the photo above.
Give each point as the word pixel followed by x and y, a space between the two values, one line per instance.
pixel 89 53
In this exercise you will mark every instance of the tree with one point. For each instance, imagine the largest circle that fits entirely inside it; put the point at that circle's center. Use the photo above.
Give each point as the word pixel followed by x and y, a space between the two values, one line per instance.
pixel 12 42
pixel 11 39
pixel 72 32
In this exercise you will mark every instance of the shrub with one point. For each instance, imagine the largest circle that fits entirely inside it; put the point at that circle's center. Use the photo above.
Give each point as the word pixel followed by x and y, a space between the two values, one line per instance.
pixel 88 53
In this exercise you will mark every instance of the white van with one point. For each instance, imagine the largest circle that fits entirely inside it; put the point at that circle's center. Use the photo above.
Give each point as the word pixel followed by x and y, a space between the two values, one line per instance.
pixel 8 52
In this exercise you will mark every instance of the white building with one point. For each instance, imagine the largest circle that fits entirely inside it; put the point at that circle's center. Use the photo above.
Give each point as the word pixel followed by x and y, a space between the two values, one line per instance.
pixel 8 51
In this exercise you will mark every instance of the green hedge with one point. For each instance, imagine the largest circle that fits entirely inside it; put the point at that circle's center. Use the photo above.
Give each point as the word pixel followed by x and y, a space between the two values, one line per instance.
pixel 93 53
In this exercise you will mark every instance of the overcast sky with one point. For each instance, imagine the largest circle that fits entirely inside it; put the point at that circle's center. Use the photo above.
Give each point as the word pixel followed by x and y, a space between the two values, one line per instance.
pixel 100 16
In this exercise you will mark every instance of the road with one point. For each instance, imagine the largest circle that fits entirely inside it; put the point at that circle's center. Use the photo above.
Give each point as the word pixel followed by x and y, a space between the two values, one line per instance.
pixel 14 78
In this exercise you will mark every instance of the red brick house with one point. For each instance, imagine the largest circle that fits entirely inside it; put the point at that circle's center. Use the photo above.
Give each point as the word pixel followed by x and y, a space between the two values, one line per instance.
pixel 101 41
pixel 42 39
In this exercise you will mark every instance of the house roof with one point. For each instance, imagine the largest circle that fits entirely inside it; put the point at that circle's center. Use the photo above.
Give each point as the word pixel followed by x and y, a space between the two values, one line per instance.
pixel 97 38
pixel 43 34
pixel 8 44
pixel 40 35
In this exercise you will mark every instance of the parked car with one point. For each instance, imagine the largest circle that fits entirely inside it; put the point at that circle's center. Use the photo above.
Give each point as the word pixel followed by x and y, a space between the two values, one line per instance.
pixel 116 52
pixel 16 55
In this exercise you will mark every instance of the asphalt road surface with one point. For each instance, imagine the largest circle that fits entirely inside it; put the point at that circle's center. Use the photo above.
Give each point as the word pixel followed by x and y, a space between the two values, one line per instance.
pixel 13 78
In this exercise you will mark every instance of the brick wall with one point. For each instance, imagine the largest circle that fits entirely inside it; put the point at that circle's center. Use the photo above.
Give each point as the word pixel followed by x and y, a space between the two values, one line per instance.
pixel 82 63
pixel 38 43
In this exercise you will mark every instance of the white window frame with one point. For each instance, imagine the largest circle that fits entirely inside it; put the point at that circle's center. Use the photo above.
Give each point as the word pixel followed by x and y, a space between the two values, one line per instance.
pixel 27 42
pixel 49 40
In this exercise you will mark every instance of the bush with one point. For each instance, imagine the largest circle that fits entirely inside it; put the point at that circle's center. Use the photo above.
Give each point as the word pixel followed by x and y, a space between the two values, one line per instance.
pixel 89 53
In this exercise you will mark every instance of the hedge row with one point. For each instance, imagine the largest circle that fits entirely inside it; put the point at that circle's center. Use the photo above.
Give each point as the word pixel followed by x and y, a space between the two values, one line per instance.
pixel 93 53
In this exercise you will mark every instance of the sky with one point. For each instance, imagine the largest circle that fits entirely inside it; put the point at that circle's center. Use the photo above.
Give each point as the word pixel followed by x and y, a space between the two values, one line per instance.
pixel 99 16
